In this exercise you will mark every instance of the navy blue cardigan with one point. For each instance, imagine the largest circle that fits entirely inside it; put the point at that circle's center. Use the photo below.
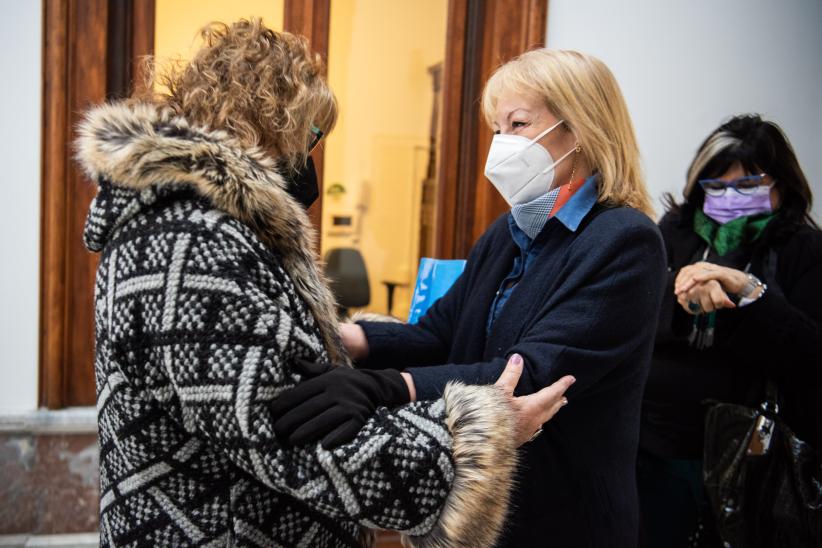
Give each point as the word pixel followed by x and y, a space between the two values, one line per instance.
pixel 588 307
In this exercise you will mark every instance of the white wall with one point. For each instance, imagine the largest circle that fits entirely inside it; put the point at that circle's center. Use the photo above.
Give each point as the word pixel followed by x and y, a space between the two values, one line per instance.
pixel 685 66
pixel 20 63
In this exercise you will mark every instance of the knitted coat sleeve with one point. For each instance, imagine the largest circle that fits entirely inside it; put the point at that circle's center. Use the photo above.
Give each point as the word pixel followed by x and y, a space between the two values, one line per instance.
pixel 214 346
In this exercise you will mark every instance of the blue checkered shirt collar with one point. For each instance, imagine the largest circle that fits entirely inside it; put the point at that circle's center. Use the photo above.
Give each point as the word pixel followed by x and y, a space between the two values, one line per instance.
pixel 531 217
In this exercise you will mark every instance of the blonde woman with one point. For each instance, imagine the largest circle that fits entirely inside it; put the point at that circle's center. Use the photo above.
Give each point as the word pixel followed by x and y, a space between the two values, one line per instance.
pixel 208 296
pixel 570 279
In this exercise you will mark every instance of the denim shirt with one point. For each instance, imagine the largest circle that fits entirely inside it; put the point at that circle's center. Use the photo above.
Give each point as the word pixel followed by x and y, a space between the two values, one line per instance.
pixel 570 215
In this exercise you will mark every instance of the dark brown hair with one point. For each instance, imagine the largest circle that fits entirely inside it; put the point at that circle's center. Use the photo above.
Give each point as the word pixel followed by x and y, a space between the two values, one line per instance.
pixel 759 146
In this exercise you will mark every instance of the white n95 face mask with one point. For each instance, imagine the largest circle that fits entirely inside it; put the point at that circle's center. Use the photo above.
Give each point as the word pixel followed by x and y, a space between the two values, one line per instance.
pixel 520 168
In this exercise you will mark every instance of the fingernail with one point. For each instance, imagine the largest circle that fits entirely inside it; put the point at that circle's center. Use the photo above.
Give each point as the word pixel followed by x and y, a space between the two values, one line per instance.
pixel 564 402
pixel 573 380
pixel 516 359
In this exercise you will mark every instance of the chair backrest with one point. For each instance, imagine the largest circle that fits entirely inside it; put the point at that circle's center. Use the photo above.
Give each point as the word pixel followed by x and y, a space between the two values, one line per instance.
pixel 345 269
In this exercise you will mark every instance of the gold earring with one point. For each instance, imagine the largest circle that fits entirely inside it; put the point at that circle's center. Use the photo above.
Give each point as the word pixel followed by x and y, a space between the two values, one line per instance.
pixel 574 166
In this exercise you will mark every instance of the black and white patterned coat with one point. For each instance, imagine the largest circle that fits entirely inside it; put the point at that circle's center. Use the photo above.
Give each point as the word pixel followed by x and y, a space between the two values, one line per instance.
pixel 206 293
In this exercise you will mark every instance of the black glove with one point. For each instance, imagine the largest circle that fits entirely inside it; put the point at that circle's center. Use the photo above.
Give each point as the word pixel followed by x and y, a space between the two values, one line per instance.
pixel 334 404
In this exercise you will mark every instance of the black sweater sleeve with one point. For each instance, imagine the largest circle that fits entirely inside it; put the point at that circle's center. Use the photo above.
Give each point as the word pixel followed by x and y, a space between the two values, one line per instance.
pixel 785 325
pixel 398 345
pixel 674 323
pixel 605 310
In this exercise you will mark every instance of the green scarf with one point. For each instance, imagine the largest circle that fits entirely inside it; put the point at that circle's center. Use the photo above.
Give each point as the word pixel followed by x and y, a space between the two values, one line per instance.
pixel 733 234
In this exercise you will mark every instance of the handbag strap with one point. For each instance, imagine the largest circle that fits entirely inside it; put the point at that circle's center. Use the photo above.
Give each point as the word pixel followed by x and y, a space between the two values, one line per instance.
pixel 771 403
pixel 770 260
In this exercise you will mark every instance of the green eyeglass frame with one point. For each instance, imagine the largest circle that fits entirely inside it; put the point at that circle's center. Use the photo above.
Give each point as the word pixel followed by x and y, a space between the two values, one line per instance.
pixel 318 135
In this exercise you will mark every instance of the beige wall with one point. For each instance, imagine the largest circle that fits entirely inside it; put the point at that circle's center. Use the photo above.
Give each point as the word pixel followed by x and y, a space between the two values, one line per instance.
pixel 177 21
pixel 379 54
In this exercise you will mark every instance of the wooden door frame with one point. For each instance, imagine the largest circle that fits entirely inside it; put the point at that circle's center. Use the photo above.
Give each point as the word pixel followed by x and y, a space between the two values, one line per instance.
pixel 311 18
pixel 83 64
pixel 482 34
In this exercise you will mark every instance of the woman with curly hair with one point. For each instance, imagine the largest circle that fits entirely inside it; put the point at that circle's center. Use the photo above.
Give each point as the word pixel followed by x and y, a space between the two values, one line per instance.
pixel 208 297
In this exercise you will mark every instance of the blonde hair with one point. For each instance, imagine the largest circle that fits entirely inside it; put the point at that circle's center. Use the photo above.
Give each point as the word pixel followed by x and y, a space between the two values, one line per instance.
pixel 265 88
pixel 581 90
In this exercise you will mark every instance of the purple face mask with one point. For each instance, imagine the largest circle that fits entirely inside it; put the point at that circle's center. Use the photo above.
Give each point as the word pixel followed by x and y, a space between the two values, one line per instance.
pixel 733 205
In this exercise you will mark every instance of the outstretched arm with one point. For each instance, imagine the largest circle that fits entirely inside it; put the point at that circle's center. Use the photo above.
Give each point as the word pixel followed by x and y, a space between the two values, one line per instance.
pixel 585 330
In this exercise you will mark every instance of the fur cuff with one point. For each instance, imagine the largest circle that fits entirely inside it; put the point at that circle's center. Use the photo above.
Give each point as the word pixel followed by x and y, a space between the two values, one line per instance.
pixel 480 420
pixel 372 317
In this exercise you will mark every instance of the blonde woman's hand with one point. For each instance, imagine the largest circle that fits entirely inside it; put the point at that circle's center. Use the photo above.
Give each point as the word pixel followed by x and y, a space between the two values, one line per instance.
pixel 533 410
pixel 354 340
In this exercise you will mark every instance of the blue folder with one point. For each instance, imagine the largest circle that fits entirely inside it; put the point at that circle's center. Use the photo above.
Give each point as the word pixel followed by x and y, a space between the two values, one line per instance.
pixel 434 278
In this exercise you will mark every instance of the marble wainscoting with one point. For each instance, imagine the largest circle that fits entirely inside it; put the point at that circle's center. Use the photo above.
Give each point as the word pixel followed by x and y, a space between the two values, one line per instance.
pixel 49 475
pixel 49 480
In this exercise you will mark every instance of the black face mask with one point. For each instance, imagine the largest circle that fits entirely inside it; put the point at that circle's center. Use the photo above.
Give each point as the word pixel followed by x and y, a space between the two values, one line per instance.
pixel 303 185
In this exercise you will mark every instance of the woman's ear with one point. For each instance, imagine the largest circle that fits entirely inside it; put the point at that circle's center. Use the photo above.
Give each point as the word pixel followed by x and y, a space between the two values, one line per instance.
pixel 776 197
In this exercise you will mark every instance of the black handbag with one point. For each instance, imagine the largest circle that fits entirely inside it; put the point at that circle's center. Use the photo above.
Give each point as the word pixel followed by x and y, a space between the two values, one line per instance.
pixel 764 484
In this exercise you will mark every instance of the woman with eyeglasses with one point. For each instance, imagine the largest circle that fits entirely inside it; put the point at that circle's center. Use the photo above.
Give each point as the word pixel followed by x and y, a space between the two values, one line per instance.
pixel 743 304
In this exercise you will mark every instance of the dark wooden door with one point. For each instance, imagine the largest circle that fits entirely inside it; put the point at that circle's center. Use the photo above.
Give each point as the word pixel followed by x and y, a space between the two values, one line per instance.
pixel 482 35
pixel 91 49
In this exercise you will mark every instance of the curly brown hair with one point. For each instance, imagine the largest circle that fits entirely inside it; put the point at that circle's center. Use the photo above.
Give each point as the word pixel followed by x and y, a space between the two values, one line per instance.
pixel 265 88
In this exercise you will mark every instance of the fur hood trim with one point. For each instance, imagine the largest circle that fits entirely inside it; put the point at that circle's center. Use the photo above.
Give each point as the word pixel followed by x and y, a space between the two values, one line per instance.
pixel 481 420
pixel 139 147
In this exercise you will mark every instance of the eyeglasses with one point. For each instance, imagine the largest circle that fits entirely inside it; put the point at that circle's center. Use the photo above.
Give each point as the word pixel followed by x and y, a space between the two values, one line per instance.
pixel 318 135
pixel 744 185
